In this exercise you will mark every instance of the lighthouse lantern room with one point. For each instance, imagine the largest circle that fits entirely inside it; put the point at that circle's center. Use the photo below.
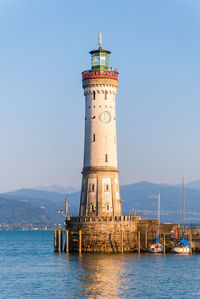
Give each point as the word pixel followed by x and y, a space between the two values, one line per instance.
pixel 100 57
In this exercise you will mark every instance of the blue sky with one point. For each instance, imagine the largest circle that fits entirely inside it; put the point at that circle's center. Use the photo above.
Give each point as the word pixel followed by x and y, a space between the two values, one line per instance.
pixel 43 50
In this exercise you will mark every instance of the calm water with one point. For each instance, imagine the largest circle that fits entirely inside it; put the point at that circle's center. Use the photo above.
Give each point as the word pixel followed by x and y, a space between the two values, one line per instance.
pixel 30 269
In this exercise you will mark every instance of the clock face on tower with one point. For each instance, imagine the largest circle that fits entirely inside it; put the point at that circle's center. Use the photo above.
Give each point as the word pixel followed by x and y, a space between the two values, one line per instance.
pixel 105 117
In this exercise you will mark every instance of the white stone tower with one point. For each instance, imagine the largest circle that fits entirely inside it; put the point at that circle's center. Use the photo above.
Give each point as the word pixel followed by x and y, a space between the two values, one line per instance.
pixel 100 195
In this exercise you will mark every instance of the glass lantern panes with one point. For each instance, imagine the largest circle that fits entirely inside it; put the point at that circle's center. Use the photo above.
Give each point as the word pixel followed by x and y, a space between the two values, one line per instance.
pixel 100 60
pixel 95 59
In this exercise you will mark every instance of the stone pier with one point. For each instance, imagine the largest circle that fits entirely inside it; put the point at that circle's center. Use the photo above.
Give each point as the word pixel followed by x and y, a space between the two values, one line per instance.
pixel 103 234
pixel 117 234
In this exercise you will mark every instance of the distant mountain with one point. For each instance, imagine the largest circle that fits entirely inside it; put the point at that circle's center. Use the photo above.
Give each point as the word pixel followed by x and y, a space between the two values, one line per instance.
pixel 137 196
pixel 57 188
pixel 194 185
pixel 51 201
pixel 18 213
pixel 37 194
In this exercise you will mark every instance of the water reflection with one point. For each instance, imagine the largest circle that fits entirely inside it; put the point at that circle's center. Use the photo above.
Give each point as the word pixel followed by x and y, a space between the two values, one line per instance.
pixel 130 276
pixel 101 276
pixel 29 269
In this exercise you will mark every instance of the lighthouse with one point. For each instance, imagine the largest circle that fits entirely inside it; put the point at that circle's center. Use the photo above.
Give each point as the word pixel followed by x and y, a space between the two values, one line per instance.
pixel 100 194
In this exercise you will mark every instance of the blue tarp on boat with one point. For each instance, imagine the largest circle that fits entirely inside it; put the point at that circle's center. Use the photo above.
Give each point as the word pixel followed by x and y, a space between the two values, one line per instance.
pixel 183 241
pixel 158 240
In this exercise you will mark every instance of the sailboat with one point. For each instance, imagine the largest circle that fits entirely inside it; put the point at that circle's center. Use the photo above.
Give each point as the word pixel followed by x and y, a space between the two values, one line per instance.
pixel 157 247
pixel 182 246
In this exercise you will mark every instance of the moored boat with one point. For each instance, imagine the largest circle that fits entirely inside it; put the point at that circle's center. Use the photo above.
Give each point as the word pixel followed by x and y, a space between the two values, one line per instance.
pixel 157 247
pixel 182 246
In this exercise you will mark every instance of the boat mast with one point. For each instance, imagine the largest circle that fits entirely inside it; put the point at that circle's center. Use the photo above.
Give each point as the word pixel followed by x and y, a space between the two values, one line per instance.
pixel 158 213
pixel 183 203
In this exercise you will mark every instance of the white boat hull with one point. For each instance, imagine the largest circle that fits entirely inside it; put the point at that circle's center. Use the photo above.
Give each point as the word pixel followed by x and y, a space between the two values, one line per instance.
pixel 157 248
pixel 182 250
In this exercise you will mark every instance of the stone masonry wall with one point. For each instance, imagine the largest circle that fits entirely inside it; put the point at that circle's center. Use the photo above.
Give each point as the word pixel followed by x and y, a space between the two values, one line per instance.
pixel 103 234
pixel 112 234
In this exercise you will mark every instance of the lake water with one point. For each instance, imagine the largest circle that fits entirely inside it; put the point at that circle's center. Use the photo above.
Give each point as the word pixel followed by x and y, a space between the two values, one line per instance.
pixel 30 269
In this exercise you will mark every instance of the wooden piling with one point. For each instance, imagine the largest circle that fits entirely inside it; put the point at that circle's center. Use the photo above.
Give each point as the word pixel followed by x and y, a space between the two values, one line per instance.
pixel 146 240
pixel 80 241
pixel 67 241
pixel 55 240
pixel 122 245
pixel 190 237
pixel 59 240
pixel 138 242
pixel 164 243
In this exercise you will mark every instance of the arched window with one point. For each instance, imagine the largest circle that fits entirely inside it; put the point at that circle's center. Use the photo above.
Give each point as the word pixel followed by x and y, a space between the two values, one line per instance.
pixel 94 94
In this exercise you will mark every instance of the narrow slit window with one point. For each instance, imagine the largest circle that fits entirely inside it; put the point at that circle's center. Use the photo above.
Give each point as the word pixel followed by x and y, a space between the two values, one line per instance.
pixel 91 187
pixel 106 95
pixel 94 94
pixel 106 158
pixel 93 137
pixel 107 207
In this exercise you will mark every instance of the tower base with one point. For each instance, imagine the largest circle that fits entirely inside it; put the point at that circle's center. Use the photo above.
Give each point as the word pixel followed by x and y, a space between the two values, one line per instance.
pixel 100 194
pixel 112 234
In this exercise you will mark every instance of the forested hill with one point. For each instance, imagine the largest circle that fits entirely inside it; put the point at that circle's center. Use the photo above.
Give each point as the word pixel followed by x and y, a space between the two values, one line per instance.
pixel 27 206
pixel 20 214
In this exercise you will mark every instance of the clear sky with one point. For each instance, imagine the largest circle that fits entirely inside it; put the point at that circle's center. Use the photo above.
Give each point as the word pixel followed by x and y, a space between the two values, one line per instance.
pixel 44 47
